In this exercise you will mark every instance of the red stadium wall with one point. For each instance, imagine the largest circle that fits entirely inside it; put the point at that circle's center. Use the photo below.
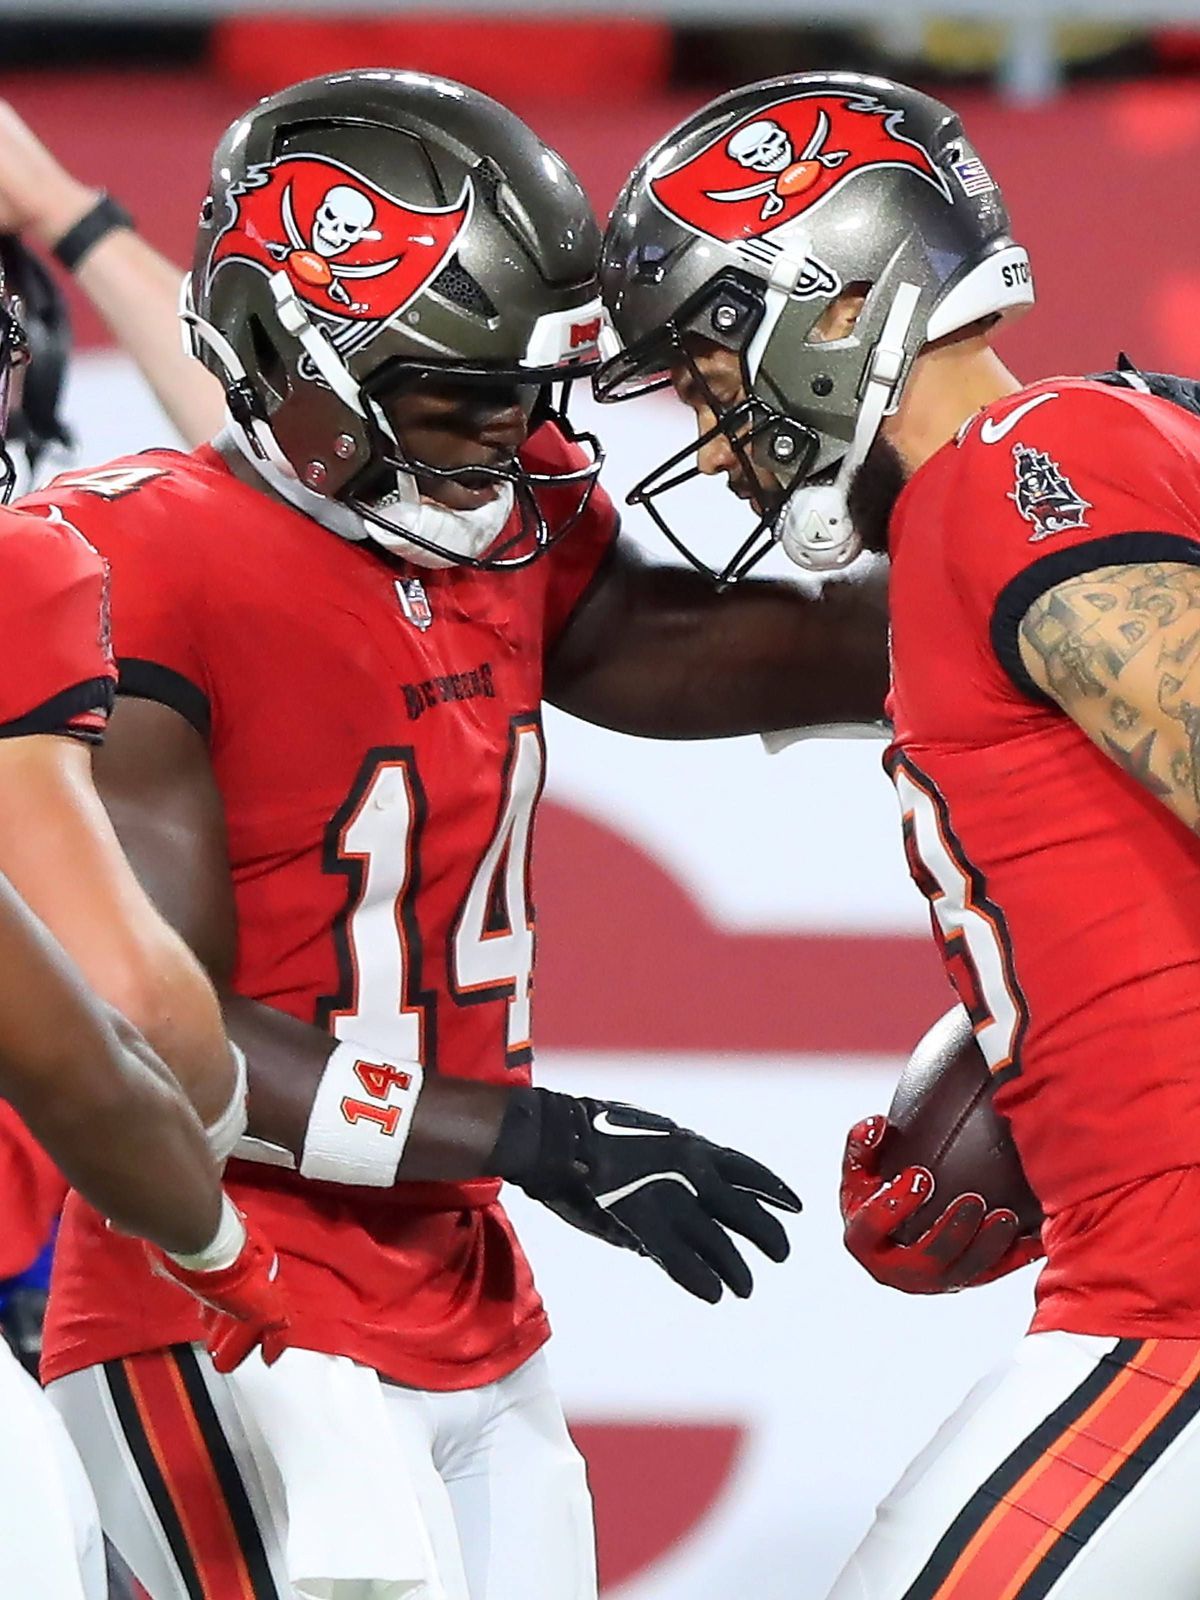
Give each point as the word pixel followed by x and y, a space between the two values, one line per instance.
pixel 1101 185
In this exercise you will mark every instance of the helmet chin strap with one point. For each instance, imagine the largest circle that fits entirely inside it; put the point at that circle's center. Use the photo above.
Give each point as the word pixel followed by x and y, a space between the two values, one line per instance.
pixel 815 528
pixel 470 533
pixel 398 514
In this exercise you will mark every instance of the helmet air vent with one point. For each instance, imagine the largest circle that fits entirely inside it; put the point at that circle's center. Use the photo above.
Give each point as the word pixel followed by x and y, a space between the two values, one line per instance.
pixel 455 284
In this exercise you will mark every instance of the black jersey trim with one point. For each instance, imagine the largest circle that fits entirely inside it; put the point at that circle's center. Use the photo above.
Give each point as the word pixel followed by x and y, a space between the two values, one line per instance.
pixel 56 714
pixel 1015 599
pixel 150 680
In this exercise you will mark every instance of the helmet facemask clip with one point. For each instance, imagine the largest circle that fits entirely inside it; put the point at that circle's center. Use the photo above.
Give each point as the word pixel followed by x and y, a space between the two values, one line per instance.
pixel 815 529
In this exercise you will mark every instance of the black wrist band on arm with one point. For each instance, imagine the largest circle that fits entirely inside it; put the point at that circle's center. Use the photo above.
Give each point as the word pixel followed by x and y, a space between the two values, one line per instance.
pixel 105 217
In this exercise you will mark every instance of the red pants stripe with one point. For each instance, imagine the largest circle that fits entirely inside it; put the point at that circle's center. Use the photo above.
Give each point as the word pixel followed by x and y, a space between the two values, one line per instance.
pixel 185 1461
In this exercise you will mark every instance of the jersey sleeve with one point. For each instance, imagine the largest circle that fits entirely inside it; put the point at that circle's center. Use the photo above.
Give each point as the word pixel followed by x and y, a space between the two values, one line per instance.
pixel 573 563
pixel 58 671
pixel 32 1192
pixel 158 606
pixel 1062 482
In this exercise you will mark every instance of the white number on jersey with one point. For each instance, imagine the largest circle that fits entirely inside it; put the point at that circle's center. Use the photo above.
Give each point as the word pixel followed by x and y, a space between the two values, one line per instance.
pixel 493 935
pixel 110 483
pixel 375 845
pixel 973 930
pixel 376 842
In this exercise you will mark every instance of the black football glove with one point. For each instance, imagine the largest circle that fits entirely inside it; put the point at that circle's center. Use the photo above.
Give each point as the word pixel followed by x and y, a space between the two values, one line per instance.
pixel 640 1181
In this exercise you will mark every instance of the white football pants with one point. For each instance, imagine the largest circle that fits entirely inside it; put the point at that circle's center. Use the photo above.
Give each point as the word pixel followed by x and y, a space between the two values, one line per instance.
pixel 1072 1473
pixel 50 1542
pixel 315 1479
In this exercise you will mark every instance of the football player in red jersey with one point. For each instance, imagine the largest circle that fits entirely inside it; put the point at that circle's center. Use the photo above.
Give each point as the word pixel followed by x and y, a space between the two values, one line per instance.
pixel 831 324
pixel 87 1085
pixel 334 638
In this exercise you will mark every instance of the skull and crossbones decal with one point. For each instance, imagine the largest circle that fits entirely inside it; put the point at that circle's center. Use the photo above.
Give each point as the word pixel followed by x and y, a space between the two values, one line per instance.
pixel 765 147
pixel 342 220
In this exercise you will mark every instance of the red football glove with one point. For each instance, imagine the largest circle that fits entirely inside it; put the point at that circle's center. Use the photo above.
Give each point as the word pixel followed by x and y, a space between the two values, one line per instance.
pixel 967 1245
pixel 244 1307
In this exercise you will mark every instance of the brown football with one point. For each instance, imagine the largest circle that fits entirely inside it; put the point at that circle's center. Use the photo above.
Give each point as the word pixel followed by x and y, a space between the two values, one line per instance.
pixel 942 1117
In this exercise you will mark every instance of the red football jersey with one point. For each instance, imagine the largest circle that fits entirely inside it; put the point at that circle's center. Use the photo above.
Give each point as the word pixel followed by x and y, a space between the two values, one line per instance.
pixel 374 730
pixel 58 670
pixel 58 679
pixel 1065 896
pixel 32 1191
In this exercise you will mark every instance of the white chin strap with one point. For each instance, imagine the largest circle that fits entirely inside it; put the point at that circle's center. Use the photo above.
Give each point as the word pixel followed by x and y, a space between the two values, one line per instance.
pixel 815 528
pixel 403 512
pixel 465 533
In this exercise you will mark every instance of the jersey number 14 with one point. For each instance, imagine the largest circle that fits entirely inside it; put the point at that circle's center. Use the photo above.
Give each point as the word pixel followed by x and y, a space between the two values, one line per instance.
pixel 376 843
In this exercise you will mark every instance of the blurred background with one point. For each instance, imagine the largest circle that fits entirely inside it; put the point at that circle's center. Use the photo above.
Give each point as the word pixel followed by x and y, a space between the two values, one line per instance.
pixel 726 935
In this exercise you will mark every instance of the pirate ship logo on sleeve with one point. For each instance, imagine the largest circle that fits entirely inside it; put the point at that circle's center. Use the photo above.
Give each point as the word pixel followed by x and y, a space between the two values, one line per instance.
pixel 1044 495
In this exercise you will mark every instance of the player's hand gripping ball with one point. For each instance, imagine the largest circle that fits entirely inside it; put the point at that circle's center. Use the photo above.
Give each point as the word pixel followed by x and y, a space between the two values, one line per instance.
pixel 933 1196
pixel 244 1307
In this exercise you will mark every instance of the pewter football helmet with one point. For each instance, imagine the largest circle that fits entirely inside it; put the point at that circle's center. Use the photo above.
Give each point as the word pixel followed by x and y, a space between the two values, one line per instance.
pixel 376 229
pixel 744 225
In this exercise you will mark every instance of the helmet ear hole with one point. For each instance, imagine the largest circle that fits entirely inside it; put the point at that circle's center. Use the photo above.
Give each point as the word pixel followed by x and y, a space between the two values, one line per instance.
pixel 840 316
pixel 269 364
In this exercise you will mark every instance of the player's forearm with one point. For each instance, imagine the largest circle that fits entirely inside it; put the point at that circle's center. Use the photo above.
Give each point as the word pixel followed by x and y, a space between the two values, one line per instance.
pixel 140 967
pixel 135 1149
pixel 109 1115
pixel 58 848
pixel 455 1123
pixel 665 655
pixel 166 995
pixel 136 291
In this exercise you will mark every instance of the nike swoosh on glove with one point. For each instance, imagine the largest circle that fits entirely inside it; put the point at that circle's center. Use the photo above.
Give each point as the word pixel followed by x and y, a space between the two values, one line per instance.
pixel 641 1182
pixel 968 1245
pixel 244 1307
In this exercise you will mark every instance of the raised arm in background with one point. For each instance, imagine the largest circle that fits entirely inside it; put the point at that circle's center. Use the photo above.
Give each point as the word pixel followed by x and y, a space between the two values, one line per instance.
pixel 135 289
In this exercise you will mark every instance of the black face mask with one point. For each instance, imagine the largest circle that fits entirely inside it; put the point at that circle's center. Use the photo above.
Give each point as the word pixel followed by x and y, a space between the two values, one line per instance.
pixel 14 354
pixel 874 490
pixel 36 423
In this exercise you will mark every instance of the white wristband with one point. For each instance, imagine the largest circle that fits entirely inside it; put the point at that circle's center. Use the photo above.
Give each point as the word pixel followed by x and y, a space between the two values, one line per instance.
pixel 360 1118
pixel 224 1133
pixel 226 1245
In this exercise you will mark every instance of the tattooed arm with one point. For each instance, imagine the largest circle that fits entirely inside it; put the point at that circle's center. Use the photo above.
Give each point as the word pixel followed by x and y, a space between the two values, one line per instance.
pixel 1119 650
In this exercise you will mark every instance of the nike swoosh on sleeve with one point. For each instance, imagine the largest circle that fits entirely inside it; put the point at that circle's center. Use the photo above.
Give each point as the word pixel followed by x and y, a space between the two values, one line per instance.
pixel 991 431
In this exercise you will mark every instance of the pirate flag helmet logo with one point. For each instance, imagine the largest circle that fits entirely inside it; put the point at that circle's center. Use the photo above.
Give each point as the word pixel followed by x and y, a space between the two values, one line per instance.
pixel 783 160
pixel 353 253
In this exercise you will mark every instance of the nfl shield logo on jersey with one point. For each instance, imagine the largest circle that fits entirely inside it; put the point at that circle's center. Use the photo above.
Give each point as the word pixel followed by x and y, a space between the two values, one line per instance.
pixel 1044 495
pixel 414 602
